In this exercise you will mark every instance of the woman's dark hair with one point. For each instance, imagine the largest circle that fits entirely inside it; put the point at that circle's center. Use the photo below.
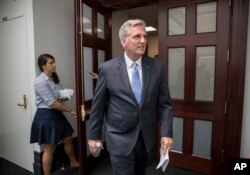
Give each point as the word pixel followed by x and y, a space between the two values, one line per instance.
pixel 42 60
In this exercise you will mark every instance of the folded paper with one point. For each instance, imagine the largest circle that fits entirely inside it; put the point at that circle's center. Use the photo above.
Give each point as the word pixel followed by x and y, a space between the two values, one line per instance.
pixel 163 160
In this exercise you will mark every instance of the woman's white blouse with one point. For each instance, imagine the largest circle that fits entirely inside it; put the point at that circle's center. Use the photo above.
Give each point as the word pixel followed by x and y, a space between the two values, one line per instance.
pixel 46 91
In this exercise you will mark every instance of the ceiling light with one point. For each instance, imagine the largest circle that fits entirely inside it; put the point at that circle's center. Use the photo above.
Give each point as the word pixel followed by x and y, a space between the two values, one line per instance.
pixel 150 29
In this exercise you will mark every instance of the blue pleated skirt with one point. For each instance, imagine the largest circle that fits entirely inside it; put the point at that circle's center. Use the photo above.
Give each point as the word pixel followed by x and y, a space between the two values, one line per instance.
pixel 49 126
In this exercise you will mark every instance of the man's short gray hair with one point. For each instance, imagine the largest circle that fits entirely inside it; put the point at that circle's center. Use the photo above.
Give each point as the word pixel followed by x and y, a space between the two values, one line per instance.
pixel 124 30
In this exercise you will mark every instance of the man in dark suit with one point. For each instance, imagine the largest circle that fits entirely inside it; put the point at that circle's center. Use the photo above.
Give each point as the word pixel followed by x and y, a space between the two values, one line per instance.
pixel 132 93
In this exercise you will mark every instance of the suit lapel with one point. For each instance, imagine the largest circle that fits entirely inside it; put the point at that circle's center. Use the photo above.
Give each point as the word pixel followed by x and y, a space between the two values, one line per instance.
pixel 145 78
pixel 122 69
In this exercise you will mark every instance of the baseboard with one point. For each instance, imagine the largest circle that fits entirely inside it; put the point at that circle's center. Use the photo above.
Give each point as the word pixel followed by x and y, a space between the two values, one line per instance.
pixel 60 158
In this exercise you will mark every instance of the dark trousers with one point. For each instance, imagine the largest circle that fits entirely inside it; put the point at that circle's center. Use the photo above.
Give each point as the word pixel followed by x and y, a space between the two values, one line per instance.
pixel 133 164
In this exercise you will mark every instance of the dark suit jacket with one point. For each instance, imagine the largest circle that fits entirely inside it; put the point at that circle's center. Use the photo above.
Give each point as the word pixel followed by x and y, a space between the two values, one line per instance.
pixel 114 99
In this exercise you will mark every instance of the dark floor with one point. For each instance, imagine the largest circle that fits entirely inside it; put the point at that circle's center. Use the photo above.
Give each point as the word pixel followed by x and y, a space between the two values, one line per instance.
pixel 8 168
pixel 104 168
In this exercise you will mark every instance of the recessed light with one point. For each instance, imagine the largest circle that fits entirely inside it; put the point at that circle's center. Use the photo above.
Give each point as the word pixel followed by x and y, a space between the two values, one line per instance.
pixel 150 29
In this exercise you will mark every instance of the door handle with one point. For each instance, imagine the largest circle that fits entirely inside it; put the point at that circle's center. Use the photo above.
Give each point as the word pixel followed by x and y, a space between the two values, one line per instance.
pixel 84 113
pixel 24 104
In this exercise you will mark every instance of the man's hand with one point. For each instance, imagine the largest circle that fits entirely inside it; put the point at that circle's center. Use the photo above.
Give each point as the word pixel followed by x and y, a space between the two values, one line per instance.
pixel 92 147
pixel 167 143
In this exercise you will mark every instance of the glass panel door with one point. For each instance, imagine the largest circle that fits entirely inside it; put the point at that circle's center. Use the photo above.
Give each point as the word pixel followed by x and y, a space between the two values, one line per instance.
pixel 193 45
pixel 87 19
pixel 176 67
pixel 92 48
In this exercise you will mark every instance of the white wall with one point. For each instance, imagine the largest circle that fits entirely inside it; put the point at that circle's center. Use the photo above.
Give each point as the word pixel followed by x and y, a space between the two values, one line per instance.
pixel 54 34
pixel 245 137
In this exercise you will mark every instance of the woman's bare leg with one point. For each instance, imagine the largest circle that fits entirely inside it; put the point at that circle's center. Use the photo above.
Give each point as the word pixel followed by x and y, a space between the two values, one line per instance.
pixel 47 158
pixel 69 149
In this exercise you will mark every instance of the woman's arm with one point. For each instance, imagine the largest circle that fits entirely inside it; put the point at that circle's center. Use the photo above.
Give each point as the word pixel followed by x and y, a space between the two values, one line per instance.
pixel 61 107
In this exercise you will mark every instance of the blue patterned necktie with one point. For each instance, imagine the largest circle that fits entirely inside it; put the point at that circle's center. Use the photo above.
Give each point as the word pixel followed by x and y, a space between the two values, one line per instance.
pixel 136 83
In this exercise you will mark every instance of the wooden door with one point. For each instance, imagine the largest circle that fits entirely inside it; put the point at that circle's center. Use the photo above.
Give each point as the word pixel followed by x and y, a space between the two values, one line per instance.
pixel 93 46
pixel 193 45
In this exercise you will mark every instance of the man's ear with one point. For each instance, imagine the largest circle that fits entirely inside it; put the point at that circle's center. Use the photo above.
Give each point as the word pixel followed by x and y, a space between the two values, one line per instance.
pixel 123 42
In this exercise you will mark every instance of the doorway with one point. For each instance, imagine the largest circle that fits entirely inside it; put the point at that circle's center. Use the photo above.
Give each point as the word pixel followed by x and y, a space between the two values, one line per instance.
pixel 197 54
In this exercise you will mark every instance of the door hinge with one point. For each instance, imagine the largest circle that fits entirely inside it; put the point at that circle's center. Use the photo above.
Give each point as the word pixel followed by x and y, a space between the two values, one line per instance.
pixel 225 107
pixel 230 3
pixel 222 156
pixel 228 55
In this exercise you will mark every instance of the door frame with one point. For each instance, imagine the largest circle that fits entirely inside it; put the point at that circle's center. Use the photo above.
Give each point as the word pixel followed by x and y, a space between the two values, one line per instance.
pixel 87 163
pixel 235 83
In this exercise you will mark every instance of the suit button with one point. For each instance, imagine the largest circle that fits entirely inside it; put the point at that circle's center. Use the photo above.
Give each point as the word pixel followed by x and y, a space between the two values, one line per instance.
pixel 138 126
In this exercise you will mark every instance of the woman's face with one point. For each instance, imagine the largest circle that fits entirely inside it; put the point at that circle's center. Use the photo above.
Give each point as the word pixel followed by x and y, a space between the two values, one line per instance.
pixel 50 66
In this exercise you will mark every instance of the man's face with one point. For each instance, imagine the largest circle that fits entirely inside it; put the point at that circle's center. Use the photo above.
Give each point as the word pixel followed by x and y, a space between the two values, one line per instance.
pixel 135 43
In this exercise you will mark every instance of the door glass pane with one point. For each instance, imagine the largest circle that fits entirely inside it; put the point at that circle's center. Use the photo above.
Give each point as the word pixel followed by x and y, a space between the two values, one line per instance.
pixel 176 73
pixel 87 65
pixel 206 17
pixel 177 134
pixel 177 21
pixel 100 25
pixel 87 19
pixel 205 71
pixel 101 57
pixel 202 138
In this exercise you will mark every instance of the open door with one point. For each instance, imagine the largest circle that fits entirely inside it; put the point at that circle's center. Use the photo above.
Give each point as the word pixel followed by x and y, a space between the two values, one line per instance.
pixel 194 41
pixel 193 45
pixel 93 46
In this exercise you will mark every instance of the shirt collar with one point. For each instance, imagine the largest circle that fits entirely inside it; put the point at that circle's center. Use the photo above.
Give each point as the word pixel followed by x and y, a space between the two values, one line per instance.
pixel 129 61
pixel 43 75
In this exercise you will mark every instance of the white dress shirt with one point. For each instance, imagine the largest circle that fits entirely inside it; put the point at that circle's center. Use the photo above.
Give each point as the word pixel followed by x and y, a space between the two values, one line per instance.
pixel 129 66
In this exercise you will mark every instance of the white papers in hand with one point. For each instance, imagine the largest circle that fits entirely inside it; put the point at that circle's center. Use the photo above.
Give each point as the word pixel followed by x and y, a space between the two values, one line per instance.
pixel 163 160
pixel 66 93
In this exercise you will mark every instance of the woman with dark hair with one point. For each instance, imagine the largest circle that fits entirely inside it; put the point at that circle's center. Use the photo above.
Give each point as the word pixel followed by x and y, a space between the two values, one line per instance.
pixel 49 125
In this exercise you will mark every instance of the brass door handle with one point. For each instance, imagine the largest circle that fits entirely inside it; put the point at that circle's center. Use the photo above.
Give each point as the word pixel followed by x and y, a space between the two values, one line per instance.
pixel 24 104
pixel 84 113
